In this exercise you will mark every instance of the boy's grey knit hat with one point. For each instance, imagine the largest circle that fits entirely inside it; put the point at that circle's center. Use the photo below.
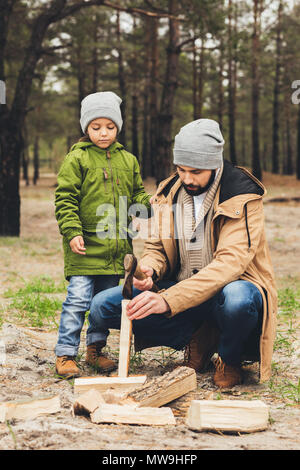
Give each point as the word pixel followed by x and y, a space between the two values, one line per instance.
pixel 104 104
pixel 199 144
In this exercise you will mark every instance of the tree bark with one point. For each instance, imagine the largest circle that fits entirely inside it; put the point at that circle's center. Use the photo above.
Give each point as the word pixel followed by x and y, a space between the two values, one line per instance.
pixel 231 89
pixel 165 117
pixel 122 82
pixel 200 87
pixel 275 149
pixel 256 166
pixel 36 160
pixel 153 93
pixel 146 162
pixel 195 82
pixel 220 85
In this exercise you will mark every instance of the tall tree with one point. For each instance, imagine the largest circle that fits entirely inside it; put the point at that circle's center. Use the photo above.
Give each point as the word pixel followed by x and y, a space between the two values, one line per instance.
pixel 231 83
pixel 256 165
pixel 165 115
pixel 276 93
pixel 12 118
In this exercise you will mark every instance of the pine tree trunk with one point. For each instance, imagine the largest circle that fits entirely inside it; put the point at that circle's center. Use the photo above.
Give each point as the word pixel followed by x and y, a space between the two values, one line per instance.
pixel 153 93
pixel 275 150
pixel 36 160
pixel 195 82
pixel 146 162
pixel 11 148
pixel 135 131
pixel 200 81
pixel 231 90
pixel 220 85
pixel 12 120
pixel 256 166
pixel 165 117
pixel 122 83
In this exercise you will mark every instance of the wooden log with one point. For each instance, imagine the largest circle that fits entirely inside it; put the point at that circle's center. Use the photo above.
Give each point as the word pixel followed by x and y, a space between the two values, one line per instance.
pixel 86 403
pixel 164 389
pixel 29 408
pixel 228 415
pixel 125 341
pixel 83 384
pixel 127 414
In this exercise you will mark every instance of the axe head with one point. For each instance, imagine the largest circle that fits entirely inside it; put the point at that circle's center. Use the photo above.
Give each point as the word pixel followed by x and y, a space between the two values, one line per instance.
pixel 130 264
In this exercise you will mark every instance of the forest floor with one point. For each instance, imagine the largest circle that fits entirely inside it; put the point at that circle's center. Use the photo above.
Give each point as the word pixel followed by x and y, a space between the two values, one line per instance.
pixel 31 292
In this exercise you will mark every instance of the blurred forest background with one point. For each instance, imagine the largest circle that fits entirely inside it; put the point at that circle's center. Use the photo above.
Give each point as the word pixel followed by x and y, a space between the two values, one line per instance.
pixel 171 61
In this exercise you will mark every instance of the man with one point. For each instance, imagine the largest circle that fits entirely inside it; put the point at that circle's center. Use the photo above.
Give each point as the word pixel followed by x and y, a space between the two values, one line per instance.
pixel 211 261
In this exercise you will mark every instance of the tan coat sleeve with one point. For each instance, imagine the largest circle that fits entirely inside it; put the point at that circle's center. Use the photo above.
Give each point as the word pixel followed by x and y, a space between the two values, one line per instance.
pixel 155 257
pixel 230 261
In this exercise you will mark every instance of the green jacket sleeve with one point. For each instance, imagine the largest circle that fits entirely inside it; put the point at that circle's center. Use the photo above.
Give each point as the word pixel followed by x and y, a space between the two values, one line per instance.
pixel 139 194
pixel 67 197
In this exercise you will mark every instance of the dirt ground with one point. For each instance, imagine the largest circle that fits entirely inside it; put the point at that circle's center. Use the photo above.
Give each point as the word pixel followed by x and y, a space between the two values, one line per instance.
pixel 29 370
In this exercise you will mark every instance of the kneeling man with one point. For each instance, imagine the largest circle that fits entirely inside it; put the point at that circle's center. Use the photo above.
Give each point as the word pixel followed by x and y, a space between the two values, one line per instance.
pixel 211 262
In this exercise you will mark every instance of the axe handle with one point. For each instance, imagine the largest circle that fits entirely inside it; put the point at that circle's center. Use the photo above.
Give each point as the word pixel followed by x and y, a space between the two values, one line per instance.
pixel 125 341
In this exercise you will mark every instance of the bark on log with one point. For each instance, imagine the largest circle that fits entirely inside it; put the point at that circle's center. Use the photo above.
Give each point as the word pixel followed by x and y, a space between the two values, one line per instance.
pixel 164 389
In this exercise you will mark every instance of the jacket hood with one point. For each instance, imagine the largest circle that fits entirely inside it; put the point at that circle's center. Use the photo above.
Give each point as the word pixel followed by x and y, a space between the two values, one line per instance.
pixel 84 145
pixel 234 182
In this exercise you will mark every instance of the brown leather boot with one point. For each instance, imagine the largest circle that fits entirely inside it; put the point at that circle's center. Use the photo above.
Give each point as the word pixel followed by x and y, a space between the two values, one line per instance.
pixel 96 358
pixel 66 366
pixel 226 376
pixel 201 347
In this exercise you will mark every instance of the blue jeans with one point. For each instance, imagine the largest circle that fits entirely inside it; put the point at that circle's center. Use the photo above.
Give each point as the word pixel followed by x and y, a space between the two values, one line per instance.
pixel 236 310
pixel 81 290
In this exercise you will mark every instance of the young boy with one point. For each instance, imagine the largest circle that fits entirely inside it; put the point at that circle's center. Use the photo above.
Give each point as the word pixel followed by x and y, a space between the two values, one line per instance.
pixel 93 176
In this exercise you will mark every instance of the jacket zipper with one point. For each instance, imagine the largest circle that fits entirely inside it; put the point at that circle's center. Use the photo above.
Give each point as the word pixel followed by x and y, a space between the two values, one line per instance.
pixel 105 177
pixel 247 227
pixel 114 196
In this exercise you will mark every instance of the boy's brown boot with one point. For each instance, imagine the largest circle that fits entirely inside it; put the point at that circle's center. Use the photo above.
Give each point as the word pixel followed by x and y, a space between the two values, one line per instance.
pixel 226 376
pixel 66 366
pixel 96 358
pixel 201 347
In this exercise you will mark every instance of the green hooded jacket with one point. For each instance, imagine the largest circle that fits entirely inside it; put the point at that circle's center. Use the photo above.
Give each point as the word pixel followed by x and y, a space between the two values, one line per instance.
pixel 95 189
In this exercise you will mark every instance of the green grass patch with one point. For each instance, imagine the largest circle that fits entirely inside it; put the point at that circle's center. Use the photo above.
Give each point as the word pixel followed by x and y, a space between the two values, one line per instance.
pixel 33 303
pixel 37 285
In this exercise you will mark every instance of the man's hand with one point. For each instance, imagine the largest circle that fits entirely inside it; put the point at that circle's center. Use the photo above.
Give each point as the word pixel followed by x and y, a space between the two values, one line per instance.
pixel 145 304
pixel 147 283
pixel 77 245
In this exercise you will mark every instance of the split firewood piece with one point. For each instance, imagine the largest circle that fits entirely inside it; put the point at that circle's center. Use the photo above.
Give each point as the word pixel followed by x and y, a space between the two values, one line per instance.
pixel 125 341
pixel 127 414
pixel 101 384
pixel 164 389
pixel 228 415
pixel 29 408
pixel 86 403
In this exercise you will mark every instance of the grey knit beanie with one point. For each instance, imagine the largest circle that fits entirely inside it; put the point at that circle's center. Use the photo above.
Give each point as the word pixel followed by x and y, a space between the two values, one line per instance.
pixel 199 144
pixel 104 104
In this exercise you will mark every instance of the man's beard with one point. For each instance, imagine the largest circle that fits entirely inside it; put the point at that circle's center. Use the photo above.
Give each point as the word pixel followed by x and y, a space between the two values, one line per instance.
pixel 199 189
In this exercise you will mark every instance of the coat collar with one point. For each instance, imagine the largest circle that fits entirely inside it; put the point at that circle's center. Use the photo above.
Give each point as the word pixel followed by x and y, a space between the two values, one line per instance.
pixel 237 187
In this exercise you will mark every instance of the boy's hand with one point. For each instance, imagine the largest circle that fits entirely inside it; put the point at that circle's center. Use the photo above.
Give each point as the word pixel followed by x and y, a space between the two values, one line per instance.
pixel 77 245
pixel 147 283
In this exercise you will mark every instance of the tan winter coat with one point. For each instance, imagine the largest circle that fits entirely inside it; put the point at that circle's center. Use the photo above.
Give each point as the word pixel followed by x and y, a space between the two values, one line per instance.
pixel 239 246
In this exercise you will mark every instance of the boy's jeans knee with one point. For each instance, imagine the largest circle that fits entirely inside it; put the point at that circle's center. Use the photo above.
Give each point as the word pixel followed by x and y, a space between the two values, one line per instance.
pixel 81 290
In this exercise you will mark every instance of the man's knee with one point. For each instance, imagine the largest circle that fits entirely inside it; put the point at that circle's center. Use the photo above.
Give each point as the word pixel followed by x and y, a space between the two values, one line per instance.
pixel 240 299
